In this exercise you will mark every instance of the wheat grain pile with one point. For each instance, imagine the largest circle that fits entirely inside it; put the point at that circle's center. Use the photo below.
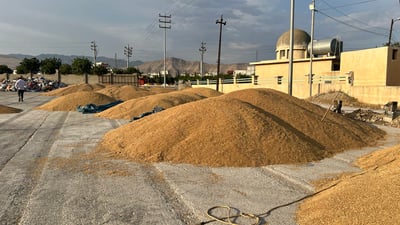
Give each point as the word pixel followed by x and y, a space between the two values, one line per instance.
pixel 70 102
pixel 6 109
pixel 253 127
pixel 369 197
pixel 137 106
pixel 74 88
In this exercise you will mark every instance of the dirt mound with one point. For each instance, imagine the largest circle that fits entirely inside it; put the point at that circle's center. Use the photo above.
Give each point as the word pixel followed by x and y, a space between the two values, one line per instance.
pixel 70 102
pixel 137 106
pixel 253 127
pixel 328 98
pixel 5 109
pixel 369 197
pixel 124 92
pixel 74 88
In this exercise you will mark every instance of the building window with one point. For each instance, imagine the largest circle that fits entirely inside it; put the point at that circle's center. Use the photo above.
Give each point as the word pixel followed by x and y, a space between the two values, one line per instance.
pixel 394 54
pixel 282 54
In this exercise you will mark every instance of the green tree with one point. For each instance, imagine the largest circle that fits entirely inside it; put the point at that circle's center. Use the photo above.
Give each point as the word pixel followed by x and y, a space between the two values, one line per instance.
pixel 81 66
pixel 50 65
pixel 100 70
pixel 131 70
pixel 65 69
pixel 31 66
pixel 5 69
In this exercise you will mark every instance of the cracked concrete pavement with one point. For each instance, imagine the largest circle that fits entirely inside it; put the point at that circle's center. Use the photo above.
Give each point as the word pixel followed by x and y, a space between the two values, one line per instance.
pixel 50 175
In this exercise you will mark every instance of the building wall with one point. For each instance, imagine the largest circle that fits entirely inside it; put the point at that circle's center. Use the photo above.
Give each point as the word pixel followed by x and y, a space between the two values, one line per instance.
pixel 369 66
pixel 301 69
pixel 393 70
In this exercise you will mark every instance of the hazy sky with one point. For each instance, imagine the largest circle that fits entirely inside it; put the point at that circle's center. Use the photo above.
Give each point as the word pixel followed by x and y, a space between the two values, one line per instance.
pixel 253 26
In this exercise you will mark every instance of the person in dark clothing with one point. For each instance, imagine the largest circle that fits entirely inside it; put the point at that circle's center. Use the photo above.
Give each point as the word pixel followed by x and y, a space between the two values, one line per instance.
pixel 338 107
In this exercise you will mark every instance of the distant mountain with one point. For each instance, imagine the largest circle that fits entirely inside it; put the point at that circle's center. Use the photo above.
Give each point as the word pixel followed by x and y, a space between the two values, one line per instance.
pixel 69 59
pixel 173 65
pixel 180 66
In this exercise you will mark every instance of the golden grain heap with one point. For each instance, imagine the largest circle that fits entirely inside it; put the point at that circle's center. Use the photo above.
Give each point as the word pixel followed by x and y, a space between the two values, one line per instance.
pixel 368 197
pixel 252 127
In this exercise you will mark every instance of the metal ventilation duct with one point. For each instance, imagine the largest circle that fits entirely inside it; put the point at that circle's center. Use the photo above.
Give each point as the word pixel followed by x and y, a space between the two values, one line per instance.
pixel 328 47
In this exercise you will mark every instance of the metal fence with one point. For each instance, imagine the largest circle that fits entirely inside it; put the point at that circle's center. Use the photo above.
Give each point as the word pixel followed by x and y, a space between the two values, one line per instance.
pixel 121 79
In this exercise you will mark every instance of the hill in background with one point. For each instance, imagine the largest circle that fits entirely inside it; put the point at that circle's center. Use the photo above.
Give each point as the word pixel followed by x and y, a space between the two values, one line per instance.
pixel 173 65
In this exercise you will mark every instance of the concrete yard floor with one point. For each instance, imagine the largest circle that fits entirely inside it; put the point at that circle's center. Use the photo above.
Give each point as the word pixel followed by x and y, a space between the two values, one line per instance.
pixel 49 175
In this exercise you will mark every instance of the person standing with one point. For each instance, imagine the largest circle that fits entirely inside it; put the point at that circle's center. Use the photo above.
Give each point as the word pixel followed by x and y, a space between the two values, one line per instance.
pixel 20 86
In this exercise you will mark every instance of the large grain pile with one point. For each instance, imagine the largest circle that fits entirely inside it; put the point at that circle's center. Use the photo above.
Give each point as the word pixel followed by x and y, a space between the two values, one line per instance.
pixel 6 109
pixel 253 127
pixel 137 106
pixel 369 197
pixel 73 89
pixel 70 102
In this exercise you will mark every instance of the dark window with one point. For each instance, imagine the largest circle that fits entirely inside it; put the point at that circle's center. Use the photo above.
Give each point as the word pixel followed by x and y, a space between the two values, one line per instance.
pixel 394 54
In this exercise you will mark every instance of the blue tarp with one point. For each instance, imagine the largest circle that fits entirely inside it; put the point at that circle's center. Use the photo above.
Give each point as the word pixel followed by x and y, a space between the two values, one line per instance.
pixel 92 108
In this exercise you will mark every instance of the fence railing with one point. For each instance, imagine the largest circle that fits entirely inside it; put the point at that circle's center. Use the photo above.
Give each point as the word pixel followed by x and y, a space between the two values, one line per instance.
pixel 255 80
pixel 122 79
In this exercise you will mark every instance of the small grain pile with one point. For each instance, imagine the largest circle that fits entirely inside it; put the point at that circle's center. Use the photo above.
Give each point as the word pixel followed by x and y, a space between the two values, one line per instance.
pixel 137 106
pixel 6 109
pixel 124 92
pixel 70 102
pixel 369 197
pixel 253 127
pixel 74 88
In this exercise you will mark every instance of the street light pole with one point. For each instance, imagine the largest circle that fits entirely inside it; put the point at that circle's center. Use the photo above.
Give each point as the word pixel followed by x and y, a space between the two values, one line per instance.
pixel 310 79
pixel 290 74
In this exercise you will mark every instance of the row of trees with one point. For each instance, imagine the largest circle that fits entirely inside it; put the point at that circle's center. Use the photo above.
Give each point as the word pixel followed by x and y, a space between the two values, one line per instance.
pixel 51 65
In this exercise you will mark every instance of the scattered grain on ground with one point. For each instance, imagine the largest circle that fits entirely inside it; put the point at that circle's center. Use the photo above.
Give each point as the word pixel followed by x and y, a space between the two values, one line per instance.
pixel 369 197
pixel 6 109
pixel 253 127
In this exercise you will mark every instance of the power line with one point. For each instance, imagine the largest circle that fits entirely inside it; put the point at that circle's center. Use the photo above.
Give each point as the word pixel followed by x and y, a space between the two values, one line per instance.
pixel 352 18
pixel 350 4
pixel 353 26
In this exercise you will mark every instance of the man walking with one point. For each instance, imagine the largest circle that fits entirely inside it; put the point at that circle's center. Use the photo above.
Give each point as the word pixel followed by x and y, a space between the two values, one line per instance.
pixel 20 86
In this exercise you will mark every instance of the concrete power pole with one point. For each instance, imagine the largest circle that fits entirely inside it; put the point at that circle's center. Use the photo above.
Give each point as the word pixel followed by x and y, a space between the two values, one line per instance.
pixel 165 23
pixel 93 47
pixel 128 52
pixel 202 49
pixel 310 78
pixel 220 22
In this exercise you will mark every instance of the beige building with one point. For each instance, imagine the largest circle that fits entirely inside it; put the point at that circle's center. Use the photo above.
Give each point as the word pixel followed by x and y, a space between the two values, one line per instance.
pixel 331 67
pixel 370 75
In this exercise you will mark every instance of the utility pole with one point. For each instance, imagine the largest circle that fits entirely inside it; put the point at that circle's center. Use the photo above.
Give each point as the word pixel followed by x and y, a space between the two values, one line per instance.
pixel 202 49
pixel 220 22
pixel 165 23
pixel 115 61
pixel 290 74
pixel 128 52
pixel 93 47
pixel 391 30
pixel 310 78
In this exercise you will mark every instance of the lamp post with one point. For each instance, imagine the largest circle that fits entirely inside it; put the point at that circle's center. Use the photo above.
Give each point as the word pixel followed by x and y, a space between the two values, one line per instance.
pixel 391 29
